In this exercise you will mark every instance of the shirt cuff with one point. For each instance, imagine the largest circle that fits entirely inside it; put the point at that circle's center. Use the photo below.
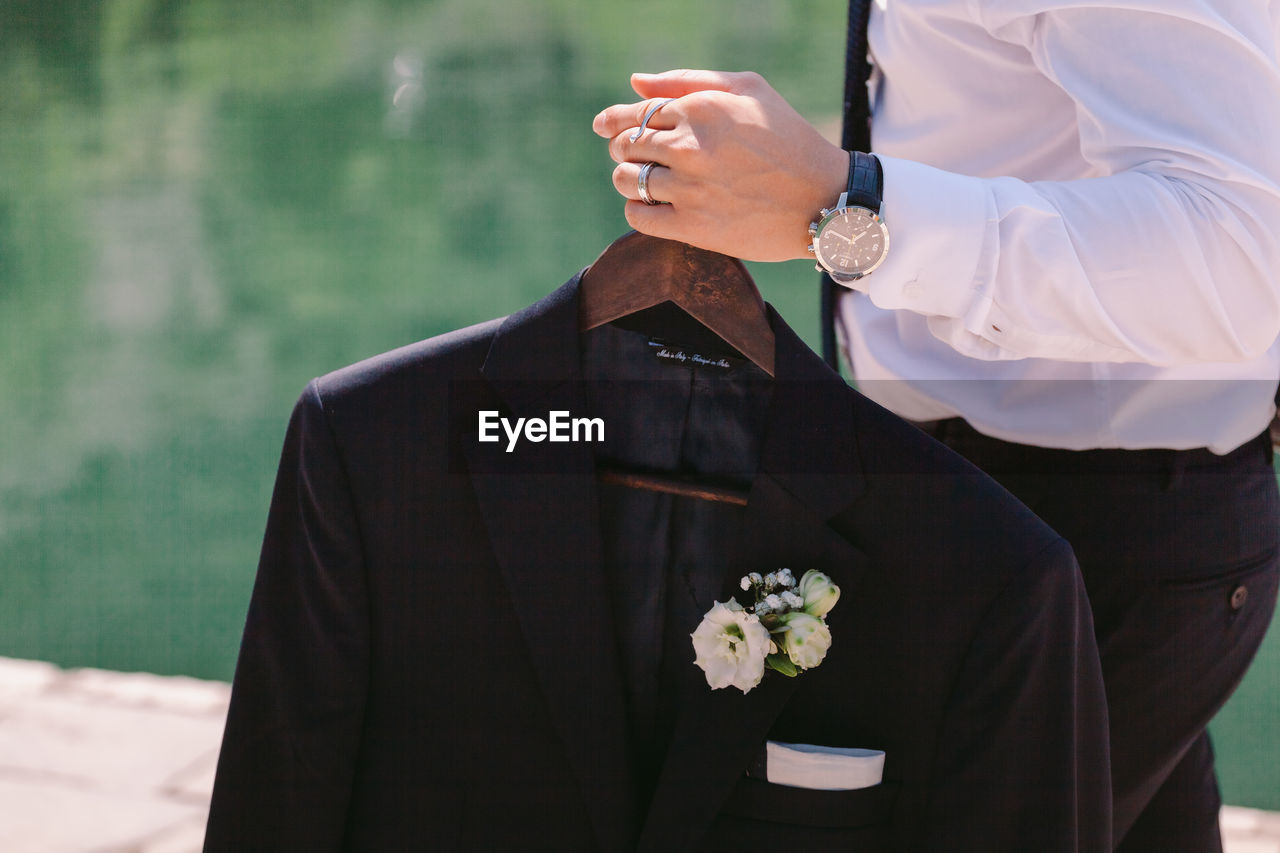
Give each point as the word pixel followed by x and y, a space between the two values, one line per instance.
pixel 942 231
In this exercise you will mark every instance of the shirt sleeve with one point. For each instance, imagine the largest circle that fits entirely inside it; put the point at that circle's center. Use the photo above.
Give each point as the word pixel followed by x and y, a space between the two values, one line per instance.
pixel 1169 256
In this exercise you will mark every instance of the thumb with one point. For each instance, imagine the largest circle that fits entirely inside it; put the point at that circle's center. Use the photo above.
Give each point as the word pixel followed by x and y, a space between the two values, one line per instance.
pixel 683 81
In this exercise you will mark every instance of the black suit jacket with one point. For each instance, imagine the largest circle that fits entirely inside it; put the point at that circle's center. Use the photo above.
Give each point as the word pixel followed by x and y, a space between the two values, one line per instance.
pixel 429 661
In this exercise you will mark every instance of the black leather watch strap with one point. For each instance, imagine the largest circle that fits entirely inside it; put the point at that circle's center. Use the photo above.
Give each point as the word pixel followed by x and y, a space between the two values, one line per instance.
pixel 866 181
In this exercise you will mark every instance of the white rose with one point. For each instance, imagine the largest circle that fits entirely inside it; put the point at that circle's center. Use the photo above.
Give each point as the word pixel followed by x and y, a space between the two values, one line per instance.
pixel 806 640
pixel 731 646
pixel 820 594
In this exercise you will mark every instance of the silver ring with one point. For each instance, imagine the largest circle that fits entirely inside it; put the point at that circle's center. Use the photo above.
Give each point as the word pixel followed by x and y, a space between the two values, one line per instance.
pixel 642 183
pixel 648 114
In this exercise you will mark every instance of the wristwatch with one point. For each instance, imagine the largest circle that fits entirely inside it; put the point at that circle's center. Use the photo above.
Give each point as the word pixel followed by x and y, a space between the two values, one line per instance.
pixel 850 240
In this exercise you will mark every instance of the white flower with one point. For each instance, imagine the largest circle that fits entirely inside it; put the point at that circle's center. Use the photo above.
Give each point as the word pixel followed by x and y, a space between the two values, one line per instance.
pixel 772 601
pixel 806 640
pixel 785 578
pixel 746 583
pixel 820 594
pixel 793 601
pixel 731 646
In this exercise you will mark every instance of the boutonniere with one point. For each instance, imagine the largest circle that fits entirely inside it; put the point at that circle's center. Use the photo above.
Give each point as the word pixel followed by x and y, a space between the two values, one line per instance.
pixel 784 630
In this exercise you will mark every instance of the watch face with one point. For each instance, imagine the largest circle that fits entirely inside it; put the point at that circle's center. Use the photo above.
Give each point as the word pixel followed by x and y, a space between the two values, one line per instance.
pixel 851 242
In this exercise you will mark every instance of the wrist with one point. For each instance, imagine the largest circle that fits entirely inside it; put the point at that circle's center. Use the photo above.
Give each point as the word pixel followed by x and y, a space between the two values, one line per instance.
pixel 849 239
pixel 830 178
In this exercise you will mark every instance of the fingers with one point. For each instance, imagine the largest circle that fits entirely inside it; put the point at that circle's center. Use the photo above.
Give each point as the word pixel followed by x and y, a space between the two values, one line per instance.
pixel 670 84
pixel 658 220
pixel 686 81
pixel 654 144
pixel 626 180
pixel 613 120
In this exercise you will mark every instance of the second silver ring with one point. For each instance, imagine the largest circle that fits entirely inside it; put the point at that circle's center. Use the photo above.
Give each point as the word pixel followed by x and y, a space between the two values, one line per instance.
pixel 642 184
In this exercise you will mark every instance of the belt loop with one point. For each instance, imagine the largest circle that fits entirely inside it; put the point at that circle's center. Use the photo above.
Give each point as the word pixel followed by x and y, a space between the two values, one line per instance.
pixel 1173 475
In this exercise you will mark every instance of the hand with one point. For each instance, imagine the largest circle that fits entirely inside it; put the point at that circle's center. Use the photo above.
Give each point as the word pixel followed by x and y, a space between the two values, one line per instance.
pixel 744 173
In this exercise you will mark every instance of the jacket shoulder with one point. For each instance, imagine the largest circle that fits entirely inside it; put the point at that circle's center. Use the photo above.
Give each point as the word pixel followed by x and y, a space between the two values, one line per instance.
pixel 454 355
pixel 945 518
pixel 385 409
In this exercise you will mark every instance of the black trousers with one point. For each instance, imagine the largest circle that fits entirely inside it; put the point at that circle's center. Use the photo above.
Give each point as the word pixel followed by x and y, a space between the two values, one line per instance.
pixel 1179 555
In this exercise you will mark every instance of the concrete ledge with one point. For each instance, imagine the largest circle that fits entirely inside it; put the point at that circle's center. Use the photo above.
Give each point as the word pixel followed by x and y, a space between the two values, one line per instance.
pixel 105 762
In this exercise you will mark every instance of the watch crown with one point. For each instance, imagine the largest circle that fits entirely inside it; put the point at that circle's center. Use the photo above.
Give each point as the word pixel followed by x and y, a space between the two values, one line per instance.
pixel 810 248
pixel 813 229
pixel 825 211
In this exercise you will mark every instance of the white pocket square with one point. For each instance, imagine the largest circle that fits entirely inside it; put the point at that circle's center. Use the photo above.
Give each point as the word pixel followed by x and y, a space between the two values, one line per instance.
pixel 823 768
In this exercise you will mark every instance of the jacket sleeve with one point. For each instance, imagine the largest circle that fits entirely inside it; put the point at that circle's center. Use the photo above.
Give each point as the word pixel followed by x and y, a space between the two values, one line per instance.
pixel 1023 762
pixel 293 730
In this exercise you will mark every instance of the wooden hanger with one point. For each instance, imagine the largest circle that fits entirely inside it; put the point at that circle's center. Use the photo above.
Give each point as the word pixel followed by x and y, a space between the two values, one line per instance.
pixel 637 272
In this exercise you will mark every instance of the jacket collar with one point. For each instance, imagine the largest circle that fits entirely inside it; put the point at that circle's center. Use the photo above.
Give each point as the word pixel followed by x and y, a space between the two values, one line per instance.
pixel 811 446
pixel 541 510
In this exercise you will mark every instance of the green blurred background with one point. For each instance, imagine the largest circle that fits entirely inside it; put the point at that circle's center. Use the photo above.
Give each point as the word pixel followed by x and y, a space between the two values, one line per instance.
pixel 204 203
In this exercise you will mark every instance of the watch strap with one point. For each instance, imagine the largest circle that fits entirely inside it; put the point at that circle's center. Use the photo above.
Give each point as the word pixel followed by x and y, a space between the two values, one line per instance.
pixel 866 181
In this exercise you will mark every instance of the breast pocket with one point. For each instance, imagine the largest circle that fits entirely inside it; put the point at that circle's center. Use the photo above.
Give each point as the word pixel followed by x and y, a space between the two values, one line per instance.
pixel 765 801
pixel 763 816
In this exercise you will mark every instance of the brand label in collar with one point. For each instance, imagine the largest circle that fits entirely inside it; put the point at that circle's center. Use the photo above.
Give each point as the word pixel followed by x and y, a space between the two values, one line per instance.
pixel 683 356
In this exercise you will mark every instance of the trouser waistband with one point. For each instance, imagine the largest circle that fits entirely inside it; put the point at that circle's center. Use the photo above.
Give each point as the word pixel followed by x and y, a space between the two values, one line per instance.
pixel 995 455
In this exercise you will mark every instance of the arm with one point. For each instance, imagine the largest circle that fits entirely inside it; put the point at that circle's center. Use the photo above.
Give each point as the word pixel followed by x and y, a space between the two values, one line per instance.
pixel 1023 760
pixel 288 753
pixel 1168 257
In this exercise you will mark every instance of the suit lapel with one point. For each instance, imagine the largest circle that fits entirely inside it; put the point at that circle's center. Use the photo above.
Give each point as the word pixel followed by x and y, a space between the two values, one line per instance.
pixel 539 504
pixel 540 507
pixel 809 471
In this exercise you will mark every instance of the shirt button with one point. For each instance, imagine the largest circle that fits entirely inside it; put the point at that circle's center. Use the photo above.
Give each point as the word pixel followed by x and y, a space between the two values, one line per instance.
pixel 1239 597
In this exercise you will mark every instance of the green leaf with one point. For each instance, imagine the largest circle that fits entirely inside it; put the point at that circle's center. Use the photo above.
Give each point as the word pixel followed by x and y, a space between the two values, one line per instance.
pixel 781 663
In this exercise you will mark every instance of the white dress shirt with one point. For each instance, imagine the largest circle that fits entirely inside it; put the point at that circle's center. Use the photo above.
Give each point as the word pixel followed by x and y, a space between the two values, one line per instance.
pixel 1083 201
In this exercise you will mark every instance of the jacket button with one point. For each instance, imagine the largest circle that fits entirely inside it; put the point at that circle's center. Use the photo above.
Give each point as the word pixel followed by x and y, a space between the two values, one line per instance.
pixel 1239 597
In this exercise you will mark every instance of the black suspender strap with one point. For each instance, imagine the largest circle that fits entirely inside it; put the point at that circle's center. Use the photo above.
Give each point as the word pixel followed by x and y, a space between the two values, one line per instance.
pixel 856 137
pixel 857 69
